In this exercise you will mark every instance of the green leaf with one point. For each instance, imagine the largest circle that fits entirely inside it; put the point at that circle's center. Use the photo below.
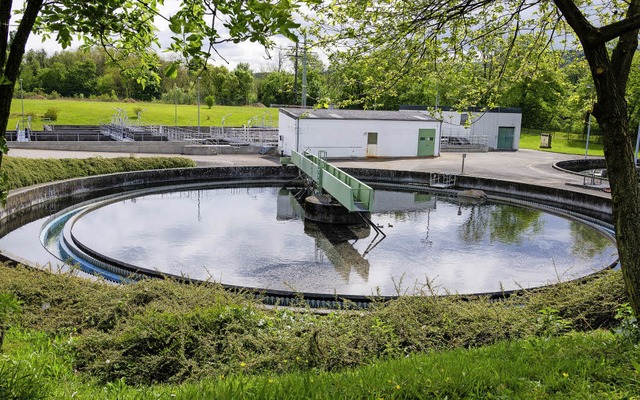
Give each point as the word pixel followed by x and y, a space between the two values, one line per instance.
pixel 171 71
pixel 175 24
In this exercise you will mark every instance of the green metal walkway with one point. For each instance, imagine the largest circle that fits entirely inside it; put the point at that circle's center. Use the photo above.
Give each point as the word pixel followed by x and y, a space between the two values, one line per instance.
pixel 349 191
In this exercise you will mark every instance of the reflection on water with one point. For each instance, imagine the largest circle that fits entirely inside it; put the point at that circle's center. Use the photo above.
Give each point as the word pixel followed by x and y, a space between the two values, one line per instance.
pixel 503 223
pixel 256 236
pixel 586 241
pixel 335 241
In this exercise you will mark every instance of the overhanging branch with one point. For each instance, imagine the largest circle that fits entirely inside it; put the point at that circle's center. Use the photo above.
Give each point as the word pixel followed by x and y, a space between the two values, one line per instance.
pixel 617 29
pixel 595 36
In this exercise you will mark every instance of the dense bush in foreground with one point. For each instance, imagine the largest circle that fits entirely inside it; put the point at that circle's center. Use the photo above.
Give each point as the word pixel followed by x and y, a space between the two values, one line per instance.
pixel 27 171
pixel 162 331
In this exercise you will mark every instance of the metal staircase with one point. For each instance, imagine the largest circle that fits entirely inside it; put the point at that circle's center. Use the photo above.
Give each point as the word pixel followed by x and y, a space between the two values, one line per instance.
pixel 353 194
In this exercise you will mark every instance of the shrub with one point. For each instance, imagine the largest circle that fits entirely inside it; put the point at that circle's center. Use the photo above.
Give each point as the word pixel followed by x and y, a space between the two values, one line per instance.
pixel 51 114
pixel 137 111
pixel 210 100
pixel 105 97
pixel 53 95
pixel 23 172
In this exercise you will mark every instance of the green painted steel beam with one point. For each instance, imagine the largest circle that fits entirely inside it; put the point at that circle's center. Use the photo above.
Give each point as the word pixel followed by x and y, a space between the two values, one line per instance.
pixel 353 194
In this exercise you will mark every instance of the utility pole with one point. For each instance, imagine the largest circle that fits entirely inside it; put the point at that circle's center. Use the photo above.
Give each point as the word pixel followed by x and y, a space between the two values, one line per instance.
pixel 586 152
pixel 304 74
pixel 199 79
pixel 295 73
pixel 22 100
pixel 175 106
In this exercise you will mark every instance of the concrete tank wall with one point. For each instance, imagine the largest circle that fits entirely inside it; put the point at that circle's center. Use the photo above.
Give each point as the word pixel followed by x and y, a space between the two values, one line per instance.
pixel 21 200
pixel 583 203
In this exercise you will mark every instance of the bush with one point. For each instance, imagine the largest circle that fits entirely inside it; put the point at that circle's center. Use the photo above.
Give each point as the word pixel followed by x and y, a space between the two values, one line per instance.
pixel 23 172
pixel 210 100
pixel 137 111
pixel 105 97
pixel 53 95
pixel 51 114
pixel 165 331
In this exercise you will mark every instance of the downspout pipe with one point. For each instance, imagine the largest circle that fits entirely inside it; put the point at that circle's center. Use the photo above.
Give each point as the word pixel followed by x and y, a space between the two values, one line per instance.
pixel 298 135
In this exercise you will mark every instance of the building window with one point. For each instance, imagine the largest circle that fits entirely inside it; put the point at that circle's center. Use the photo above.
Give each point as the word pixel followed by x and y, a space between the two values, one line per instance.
pixel 372 137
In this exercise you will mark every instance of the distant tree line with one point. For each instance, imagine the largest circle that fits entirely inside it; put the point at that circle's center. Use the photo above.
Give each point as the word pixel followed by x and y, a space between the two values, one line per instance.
pixel 90 75
pixel 551 99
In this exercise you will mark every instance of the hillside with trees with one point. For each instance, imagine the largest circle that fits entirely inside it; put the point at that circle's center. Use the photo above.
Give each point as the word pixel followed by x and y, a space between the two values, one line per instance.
pixel 554 99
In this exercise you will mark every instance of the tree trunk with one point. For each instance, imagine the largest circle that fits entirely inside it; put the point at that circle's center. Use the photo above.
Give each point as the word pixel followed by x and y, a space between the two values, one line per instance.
pixel 625 196
pixel 610 78
pixel 610 67
pixel 10 63
pixel 6 94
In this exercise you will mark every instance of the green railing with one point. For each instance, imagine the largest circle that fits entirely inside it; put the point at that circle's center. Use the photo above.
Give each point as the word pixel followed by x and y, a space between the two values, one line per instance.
pixel 349 191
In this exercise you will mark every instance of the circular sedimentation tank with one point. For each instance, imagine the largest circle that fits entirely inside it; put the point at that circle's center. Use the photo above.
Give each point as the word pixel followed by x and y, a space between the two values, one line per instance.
pixel 243 228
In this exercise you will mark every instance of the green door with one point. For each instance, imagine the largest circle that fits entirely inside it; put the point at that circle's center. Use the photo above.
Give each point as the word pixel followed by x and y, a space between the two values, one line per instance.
pixel 505 137
pixel 426 142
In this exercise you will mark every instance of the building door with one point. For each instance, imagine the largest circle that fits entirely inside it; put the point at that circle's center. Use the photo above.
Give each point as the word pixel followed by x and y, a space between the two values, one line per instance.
pixel 372 144
pixel 505 137
pixel 426 142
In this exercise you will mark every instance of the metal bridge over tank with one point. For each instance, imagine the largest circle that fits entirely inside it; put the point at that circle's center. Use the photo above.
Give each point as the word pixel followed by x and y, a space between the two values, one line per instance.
pixel 354 195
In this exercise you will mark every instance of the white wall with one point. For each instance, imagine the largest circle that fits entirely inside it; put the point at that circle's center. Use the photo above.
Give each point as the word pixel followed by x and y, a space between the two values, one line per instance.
pixel 483 124
pixel 348 138
pixel 487 124
pixel 287 139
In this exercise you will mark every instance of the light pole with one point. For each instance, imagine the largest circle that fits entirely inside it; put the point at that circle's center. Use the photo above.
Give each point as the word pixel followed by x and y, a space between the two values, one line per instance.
pixel 199 79
pixel 304 74
pixel 175 106
pixel 586 153
pixel 22 100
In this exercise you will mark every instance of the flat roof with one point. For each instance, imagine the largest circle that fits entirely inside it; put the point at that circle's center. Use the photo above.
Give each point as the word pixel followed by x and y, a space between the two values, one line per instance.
pixel 505 110
pixel 336 114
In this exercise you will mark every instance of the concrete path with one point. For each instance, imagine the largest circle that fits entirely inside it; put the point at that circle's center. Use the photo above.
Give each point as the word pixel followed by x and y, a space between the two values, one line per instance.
pixel 528 166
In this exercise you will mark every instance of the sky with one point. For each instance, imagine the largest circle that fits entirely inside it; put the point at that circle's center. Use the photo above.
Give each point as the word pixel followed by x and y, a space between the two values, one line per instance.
pixel 252 53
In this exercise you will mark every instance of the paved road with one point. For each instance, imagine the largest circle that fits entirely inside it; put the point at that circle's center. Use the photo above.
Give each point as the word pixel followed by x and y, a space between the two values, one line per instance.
pixel 529 166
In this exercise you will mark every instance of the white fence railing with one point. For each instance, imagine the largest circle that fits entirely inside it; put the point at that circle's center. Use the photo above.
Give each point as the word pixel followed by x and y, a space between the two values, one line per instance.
pixel 259 136
pixel 471 142
pixel 262 136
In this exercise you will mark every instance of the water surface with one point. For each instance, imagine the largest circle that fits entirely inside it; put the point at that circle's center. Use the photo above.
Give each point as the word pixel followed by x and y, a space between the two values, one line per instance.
pixel 254 236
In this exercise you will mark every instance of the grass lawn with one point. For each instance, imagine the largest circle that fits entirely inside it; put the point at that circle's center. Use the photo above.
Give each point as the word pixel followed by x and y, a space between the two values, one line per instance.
pixel 561 142
pixel 85 112
pixel 577 366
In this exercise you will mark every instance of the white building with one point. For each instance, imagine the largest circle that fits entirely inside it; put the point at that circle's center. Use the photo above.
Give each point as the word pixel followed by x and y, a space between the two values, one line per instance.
pixel 498 129
pixel 358 133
